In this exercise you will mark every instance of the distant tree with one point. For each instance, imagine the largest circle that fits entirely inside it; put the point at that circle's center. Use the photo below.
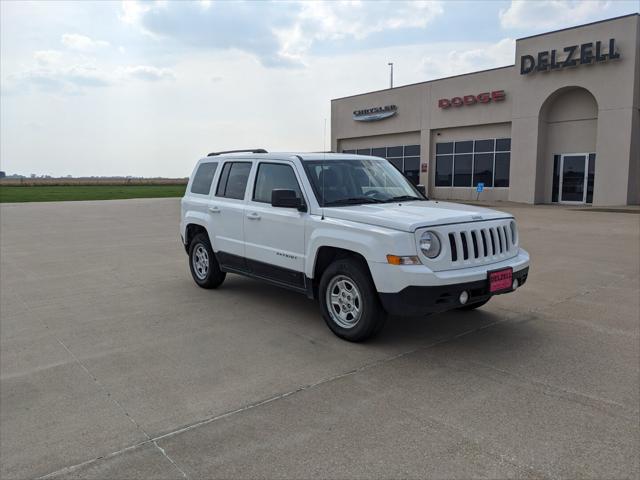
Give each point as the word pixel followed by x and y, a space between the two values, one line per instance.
pixel 2 174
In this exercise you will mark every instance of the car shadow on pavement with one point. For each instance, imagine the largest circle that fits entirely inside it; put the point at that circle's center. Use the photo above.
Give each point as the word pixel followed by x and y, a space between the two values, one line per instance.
pixel 285 306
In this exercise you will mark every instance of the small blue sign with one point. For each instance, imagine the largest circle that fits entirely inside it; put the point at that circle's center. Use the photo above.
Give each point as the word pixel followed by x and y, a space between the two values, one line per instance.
pixel 480 187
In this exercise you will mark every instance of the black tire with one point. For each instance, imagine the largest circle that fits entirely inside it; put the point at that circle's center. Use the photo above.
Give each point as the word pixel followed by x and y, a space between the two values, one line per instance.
pixel 213 277
pixel 371 315
pixel 473 306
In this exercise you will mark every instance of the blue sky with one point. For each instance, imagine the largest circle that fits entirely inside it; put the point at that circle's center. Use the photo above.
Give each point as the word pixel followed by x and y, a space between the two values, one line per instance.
pixel 145 88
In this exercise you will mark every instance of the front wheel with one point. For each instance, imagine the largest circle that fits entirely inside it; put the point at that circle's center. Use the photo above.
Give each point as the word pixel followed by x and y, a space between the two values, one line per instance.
pixel 203 264
pixel 349 301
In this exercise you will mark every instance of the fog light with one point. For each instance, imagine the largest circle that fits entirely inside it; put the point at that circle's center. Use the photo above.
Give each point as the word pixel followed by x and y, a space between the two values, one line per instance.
pixel 515 284
pixel 464 297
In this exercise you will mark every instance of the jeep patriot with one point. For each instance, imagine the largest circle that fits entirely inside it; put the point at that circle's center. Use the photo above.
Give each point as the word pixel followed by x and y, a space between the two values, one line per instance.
pixel 348 230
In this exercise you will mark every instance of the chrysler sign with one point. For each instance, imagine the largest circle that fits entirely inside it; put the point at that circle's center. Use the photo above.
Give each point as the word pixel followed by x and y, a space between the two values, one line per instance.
pixel 374 113
pixel 571 56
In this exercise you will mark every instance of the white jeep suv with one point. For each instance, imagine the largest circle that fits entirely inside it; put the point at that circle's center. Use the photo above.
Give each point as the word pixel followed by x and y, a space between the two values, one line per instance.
pixel 349 230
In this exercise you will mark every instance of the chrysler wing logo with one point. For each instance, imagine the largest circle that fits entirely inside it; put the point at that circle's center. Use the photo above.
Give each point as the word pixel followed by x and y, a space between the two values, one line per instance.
pixel 375 113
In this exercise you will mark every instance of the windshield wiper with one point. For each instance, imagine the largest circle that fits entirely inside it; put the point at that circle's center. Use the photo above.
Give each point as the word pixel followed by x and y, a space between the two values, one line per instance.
pixel 403 197
pixel 353 201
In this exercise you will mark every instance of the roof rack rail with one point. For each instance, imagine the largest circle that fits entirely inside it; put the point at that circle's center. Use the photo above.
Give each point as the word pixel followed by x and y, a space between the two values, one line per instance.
pixel 245 150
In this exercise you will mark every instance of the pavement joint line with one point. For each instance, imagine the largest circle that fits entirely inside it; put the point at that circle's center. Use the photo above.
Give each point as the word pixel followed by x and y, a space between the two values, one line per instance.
pixel 119 405
pixel 518 317
pixel 110 397
pixel 266 401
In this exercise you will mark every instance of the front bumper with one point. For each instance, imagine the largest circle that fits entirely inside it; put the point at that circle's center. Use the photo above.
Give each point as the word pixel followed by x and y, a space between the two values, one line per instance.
pixel 424 300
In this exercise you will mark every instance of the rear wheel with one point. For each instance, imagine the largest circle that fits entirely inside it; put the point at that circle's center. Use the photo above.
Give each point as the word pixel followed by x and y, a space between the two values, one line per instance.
pixel 203 264
pixel 473 306
pixel 349 301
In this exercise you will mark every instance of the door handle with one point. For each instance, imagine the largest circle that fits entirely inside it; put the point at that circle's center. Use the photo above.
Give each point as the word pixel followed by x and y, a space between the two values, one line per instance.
pixel 253 216
pixel 214 209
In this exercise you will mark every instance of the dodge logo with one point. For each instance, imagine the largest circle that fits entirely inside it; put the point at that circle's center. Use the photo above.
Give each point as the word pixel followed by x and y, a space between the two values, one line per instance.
pixel 486 97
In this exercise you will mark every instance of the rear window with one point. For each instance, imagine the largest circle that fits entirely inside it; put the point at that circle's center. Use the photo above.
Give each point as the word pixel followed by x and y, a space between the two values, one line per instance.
pixel 204 176
pixel 233 180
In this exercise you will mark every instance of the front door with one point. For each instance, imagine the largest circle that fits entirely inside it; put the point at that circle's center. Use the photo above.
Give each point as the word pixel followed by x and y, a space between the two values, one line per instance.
pixel 573 177
pixel 274 237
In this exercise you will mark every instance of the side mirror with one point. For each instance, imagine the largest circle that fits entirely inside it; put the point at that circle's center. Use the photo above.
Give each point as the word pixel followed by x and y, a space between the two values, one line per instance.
pixel 284 198
pixel 421 188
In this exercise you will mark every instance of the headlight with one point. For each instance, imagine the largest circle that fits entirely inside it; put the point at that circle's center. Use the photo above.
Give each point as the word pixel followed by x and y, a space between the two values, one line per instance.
pixel 514 232
pixel 430 244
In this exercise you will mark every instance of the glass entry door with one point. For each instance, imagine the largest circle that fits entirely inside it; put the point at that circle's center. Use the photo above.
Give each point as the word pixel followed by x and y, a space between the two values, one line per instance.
pixel 573 177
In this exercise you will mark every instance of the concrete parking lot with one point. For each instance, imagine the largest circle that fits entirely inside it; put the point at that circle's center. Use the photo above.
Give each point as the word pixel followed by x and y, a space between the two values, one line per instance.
pixel 115 365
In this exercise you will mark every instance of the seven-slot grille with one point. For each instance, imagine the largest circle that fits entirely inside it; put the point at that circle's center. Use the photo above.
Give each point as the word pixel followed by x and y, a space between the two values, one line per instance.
pixel 473 244
pixel 480 243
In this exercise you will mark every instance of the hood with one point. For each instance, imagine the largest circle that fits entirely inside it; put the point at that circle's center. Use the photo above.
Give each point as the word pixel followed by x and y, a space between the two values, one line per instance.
pixel 409 216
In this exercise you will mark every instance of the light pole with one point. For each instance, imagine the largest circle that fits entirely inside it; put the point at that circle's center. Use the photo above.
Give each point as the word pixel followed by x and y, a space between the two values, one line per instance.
pixel 391 78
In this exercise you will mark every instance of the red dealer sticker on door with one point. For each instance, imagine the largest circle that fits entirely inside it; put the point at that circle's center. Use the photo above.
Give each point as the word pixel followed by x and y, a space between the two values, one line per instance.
pixel 500 280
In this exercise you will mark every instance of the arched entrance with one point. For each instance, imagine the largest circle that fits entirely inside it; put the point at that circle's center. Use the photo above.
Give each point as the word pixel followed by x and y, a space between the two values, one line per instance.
pixel 568 128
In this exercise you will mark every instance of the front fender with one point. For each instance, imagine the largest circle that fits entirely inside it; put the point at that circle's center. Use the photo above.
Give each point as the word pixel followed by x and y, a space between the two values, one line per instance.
pixel 372 242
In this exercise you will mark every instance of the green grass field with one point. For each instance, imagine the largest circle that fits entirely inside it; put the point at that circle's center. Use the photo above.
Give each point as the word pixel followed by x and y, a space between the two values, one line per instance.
pixel 63 193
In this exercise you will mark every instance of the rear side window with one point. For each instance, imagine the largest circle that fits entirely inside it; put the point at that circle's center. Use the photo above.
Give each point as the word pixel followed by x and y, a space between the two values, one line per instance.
pixel 233 180
pixel 204 176
pixel 271 176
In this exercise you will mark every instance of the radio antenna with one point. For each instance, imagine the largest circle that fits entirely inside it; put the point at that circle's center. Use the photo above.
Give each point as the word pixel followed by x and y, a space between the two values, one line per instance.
pixel 324 157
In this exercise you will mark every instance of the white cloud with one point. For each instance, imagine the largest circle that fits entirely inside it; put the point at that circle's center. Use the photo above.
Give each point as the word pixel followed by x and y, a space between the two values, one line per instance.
pixel 550 14
pixel 82 43
pixel 71 74
pixel 45 57
pixel 67 80
pixel 147 73
pixel 285 32
pixel 465 60
pixel 359 19
pixel 132 11
pixel 318 21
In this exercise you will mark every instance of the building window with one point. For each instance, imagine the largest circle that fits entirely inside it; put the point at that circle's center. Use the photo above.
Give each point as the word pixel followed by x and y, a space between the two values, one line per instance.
pixel 483 169
pixel 591 170
pixel 462 164
pixel 405 158
pixel 501 172
pixel 444 170
pixel 469 162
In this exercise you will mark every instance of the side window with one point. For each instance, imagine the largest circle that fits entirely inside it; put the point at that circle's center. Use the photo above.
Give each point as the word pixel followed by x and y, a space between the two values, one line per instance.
pixel 271 176
pixel 204 176
pixel 233 180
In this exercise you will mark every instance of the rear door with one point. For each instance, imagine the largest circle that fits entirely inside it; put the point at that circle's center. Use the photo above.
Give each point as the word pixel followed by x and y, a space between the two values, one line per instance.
pixel 274 237
pixel 226 210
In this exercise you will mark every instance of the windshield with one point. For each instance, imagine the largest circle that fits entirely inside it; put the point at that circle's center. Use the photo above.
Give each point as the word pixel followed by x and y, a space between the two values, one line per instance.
pixel 352 182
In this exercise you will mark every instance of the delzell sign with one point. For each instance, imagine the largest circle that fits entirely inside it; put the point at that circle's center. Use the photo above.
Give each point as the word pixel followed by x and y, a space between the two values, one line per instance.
pixel 571 56
pixel 486 97
pixel 375 113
